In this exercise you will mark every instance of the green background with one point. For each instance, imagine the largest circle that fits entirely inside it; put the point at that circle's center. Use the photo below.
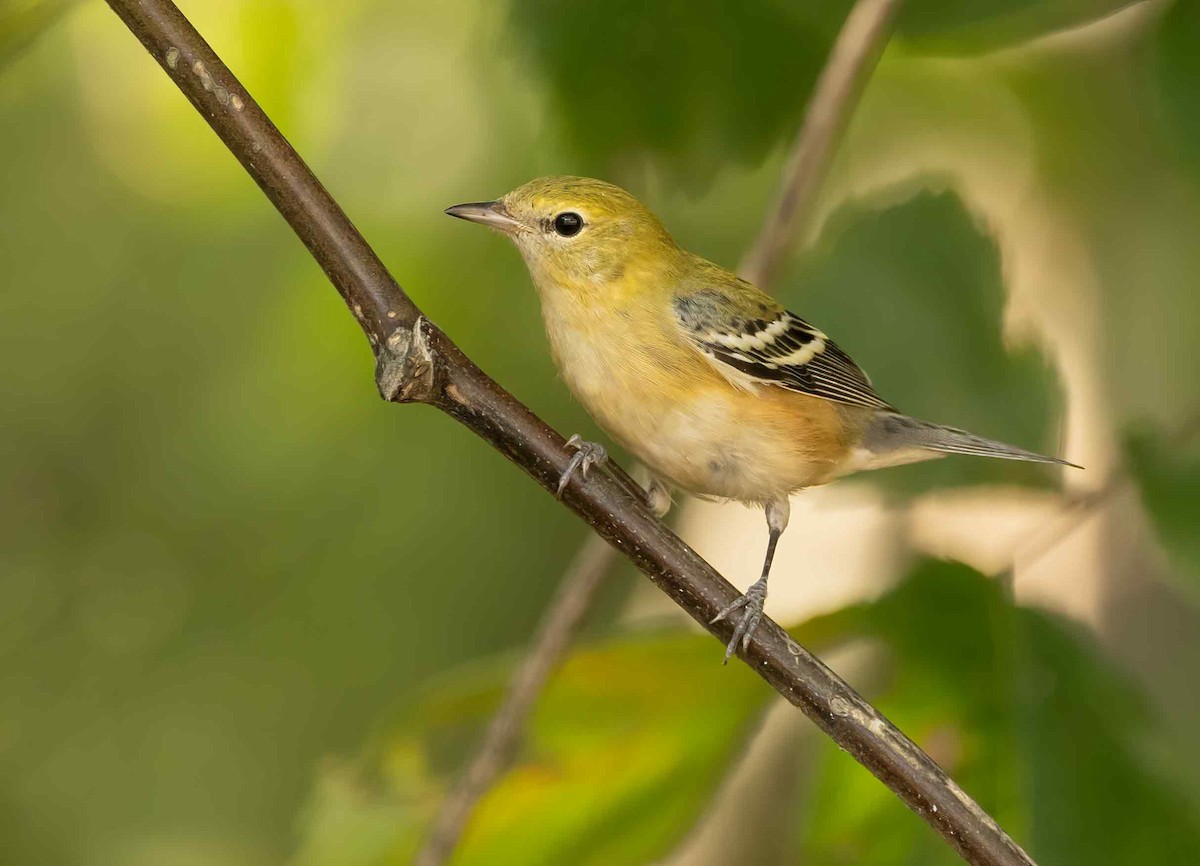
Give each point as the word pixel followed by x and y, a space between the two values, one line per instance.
pixel 250 614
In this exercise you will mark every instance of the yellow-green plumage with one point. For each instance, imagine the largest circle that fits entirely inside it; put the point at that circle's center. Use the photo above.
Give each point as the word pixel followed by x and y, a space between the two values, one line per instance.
pixel 608 306
pixel 710 383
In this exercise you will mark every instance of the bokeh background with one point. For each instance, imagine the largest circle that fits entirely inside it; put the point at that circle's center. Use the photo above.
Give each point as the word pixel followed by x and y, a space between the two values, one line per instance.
pixel 249 614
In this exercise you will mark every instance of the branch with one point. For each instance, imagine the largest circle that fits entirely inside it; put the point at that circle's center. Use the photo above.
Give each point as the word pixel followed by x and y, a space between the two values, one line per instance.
pixel 858 45
pixel 575 594
pixel 853 56
pixel 1082 506
pixel 417 362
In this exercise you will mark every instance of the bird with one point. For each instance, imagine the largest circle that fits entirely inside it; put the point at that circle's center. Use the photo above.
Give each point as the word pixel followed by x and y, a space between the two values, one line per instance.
pixel 710 383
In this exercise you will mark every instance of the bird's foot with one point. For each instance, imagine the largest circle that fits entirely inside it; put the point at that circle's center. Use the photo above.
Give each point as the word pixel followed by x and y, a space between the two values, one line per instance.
pixel 658 497
pixel 753 602
pixel 587 455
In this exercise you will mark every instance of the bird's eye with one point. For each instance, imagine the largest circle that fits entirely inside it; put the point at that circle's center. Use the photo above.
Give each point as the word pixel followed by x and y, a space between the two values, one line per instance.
pixel 568 224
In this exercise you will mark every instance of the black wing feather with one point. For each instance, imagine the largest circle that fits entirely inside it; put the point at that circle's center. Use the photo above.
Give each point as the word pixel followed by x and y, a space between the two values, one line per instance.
pixel 784 350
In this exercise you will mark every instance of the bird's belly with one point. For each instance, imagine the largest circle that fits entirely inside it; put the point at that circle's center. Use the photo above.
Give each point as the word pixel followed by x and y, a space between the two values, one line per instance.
pixel 706 444
pixel 691 427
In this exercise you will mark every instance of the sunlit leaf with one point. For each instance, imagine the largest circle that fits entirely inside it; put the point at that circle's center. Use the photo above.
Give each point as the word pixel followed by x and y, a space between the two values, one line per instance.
pixel 278 49
pixel 625 749
pixel 1022 709
pixel 630 741
pixel 1114 167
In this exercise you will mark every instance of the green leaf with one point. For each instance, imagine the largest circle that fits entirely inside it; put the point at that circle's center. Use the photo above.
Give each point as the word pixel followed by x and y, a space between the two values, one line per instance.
pixel 631 739
pixel 972 26
pixel 694 86
pixel 1023 711
pixel 625 749
pixel 1178 72
pixel 1167 472
pixel 916 295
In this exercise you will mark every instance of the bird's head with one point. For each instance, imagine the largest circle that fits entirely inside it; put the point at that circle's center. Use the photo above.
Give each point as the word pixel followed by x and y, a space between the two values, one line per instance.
pixel 576 234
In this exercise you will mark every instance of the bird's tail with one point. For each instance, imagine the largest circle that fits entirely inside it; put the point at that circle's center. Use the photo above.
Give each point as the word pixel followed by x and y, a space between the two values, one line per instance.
pixel 892 435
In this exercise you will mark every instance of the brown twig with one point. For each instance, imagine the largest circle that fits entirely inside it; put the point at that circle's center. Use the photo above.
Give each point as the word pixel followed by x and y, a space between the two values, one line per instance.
pixel 417 362
pixel 567 609
pixel 1082 506
pixel 833 100
pixel 853 56
pixel 1029 552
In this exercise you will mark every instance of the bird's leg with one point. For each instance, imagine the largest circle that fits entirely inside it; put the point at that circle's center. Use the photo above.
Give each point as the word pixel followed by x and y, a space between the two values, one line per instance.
pixel 587 455
pixel 656 496
pixel 778 511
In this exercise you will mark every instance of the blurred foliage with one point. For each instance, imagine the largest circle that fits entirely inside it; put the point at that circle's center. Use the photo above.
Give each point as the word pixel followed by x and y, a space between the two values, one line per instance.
pixel 1128 203
pixel 969 26
pixel 1178 75
pixel 221 559
pixel 1167 472
pixel 696 84
pixel 622 754
pixel 633 736
pixel 1025 713
pixel 926 268
pixel 630 77
pixel 22 21
pixel 217 545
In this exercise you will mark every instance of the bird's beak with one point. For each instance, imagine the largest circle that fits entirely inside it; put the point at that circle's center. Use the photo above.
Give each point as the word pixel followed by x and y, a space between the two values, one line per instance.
pixel 488 213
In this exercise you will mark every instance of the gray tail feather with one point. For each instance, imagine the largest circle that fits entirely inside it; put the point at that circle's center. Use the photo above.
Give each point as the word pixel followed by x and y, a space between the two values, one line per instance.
pixel 894 432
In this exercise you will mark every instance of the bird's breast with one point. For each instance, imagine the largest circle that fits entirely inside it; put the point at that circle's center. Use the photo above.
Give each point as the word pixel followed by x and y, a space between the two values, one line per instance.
pixel 663 402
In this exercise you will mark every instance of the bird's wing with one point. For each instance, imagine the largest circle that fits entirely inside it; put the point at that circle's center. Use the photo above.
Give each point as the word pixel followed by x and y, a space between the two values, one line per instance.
pixel 773 347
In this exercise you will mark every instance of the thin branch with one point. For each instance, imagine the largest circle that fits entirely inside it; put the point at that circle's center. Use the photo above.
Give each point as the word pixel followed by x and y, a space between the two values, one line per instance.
pixel 861 39
pixel 417 362
pixel 575 594
pixel 1029 552
pixel 1081 507
pixel 855 53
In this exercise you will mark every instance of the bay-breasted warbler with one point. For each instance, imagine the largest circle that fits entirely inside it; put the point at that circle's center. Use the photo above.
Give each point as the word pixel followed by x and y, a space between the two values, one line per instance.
pixel 703 377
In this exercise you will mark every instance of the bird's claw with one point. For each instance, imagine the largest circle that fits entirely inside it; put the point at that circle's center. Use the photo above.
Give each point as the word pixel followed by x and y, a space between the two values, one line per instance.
pixel 587 455
pixel 753 601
